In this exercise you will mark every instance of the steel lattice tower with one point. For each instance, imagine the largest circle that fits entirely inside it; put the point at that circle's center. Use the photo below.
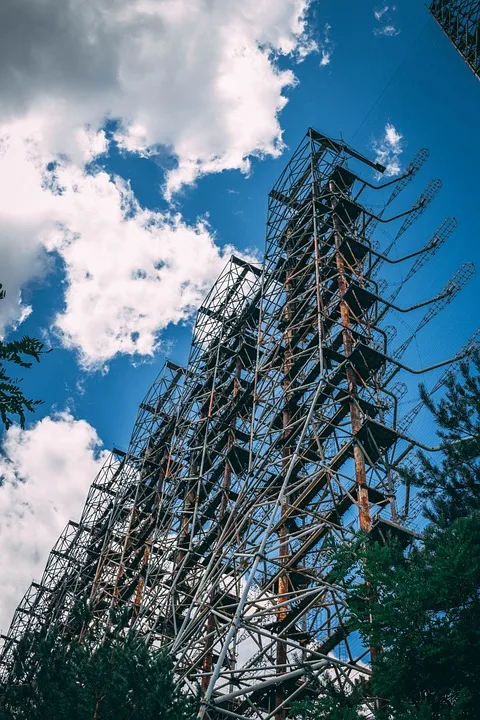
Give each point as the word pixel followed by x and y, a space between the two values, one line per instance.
pixel 460 20
pixel 279 440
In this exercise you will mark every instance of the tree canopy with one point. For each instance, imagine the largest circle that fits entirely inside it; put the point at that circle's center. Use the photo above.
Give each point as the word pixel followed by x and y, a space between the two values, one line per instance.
pixel 116 677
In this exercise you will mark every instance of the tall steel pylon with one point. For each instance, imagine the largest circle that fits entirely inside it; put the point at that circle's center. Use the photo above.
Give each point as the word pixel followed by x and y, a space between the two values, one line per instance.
pixel 460 20
pixel 280 440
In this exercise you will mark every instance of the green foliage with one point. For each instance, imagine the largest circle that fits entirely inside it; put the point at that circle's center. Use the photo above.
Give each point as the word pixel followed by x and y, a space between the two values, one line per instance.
pixel 452 487
pixel 423 612
pixel 114 678
pixel 425 617
pixel 12 400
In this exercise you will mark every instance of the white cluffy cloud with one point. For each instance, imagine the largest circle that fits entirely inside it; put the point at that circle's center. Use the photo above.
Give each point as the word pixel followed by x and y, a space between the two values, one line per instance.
pixel 45 473
pixel 326 46
pixel 388 150
pixel 387 31
pixel 384 15
pixel 129 272
pixel 380 12
pixel 197 77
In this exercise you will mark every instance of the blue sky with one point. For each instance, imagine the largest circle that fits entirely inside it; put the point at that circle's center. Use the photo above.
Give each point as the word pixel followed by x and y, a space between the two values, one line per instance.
pixel 395 69
pixel 414 80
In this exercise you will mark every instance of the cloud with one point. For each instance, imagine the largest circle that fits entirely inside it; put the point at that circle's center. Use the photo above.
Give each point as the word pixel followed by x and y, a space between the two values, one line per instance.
pixel 28 209
pixel 326 46
pixel 163 268
pixel 388 150
pixel 387 31
pixel 199 79
pixel 45 474
pixel 21 224
pixel 129 272
pixel 197 76
pixel 384 14
pixel 380 12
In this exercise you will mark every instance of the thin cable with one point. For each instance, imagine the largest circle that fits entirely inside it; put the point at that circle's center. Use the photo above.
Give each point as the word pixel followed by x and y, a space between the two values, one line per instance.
pixel 392 78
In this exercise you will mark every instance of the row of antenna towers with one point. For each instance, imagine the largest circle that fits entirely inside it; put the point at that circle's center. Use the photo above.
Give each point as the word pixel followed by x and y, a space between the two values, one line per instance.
pixel 279 441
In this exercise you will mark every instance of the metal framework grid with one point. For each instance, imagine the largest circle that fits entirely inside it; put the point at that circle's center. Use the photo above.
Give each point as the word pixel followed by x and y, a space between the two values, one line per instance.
pixel 281 438
pixel 460 20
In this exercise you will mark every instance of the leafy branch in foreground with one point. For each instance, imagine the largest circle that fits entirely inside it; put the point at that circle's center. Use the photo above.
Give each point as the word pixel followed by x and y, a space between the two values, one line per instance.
pixel 12 400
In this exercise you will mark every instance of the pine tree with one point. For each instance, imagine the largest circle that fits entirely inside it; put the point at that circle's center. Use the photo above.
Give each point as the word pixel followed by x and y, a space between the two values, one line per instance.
pixel 12 400
pixel 116 677
pixel 452 487
pixel 425 617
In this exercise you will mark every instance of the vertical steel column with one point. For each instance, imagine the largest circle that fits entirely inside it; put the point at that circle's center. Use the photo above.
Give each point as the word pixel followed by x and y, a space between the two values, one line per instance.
pixel 345 319
pixel 207 665
pixel 284 549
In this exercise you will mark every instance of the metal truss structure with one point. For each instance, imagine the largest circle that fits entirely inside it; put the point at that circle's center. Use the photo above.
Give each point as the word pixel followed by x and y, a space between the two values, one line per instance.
pixel 277 443
pixel 460 20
